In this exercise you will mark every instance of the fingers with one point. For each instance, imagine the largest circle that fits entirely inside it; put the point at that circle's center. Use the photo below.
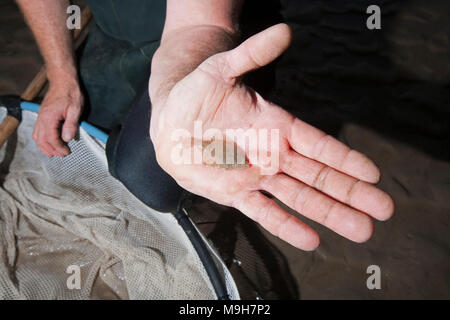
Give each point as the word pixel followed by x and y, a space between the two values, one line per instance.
pixel 47 136
pixel 283 225
pixel 356 193
pixel 257 51
pixel 53 138
pixel 44 146
pixel 315 144
pixel 70 126
pixel 316 206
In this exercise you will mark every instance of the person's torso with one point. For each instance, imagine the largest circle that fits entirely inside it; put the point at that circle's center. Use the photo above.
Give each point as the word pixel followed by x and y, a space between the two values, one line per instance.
pixel 131 20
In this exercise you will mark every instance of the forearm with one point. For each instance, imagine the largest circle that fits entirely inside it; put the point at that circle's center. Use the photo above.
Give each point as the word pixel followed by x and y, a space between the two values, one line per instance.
pixel 181 51
pixel 47 20
pixel 194 30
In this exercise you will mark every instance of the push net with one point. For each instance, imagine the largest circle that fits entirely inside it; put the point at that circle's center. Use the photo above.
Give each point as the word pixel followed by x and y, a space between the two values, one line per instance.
pixel 59 216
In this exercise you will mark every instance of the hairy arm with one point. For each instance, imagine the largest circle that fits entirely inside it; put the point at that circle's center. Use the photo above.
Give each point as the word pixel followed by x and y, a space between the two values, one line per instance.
pixel 47 20
pixel 194 30
pixel 63 102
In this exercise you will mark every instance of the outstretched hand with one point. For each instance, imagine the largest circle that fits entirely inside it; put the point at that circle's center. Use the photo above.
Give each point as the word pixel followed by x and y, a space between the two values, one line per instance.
pixel 313 173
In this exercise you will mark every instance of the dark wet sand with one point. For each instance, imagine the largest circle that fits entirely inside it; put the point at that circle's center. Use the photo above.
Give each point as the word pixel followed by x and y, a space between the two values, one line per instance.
pixel 385 93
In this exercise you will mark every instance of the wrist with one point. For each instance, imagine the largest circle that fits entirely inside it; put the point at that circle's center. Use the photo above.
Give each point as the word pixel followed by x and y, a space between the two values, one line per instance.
pixel 180 53
pixel 67 74
pixel 67 82
pixel 66 88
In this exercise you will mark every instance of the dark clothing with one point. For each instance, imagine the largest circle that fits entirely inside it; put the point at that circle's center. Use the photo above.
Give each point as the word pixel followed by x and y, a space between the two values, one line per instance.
pixel 115 69
pixel 134 21
pixel 132 160
pixel 115 62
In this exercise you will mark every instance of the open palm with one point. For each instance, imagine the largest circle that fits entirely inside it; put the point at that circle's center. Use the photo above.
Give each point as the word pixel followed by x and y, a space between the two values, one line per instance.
pixel 312 173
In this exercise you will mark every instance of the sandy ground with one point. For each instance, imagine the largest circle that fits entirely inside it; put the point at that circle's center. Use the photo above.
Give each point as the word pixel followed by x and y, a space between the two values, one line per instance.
pixel 385 93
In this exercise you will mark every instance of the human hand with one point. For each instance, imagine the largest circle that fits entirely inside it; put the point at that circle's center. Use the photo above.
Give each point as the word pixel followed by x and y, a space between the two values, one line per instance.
pixel 312 173
pixel 58 116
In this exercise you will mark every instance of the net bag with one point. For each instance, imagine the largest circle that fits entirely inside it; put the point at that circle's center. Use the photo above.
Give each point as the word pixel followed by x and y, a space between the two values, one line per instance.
pixel 63 218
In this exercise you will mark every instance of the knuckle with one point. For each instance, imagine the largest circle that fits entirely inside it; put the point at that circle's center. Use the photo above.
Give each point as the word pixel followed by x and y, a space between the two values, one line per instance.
pixel 351 190
pixel 328 212
pixel 53 136
pixel 287 161
pixel 321 177
pixel 302 200
pixel 45 118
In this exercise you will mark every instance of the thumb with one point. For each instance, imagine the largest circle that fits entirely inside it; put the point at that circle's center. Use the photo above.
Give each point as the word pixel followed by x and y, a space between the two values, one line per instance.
pixel 70 126
pixel 258 51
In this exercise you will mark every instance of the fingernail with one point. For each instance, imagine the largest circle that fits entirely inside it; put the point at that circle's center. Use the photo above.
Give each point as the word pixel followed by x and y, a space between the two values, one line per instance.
pixel 66 136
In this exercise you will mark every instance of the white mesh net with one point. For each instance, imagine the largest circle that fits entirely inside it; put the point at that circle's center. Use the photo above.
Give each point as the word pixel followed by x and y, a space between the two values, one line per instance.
pixel 62 212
